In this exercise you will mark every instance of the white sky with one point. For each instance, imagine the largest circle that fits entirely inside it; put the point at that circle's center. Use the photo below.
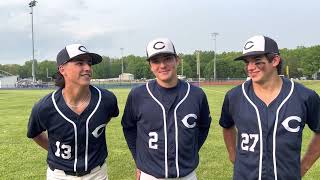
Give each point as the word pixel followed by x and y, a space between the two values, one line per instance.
pixel 104 26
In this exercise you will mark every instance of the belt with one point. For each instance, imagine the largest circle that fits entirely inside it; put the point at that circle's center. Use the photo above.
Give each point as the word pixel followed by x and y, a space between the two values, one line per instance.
pixel 77 173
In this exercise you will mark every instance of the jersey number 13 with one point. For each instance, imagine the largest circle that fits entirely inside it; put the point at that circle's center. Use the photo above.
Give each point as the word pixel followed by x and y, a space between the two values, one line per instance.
pixel 63 151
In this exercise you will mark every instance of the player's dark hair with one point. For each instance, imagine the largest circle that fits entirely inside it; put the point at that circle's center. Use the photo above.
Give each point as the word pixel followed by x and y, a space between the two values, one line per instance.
pixel 279 66
pixel 59 81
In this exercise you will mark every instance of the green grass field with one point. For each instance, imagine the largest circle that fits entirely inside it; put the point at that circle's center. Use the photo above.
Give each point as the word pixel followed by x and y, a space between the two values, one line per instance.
pixel 21 158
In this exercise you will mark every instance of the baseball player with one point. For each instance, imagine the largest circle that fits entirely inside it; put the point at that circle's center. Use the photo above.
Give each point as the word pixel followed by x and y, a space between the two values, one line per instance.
pixel 165 121
pixel 75 117
pixel 268 114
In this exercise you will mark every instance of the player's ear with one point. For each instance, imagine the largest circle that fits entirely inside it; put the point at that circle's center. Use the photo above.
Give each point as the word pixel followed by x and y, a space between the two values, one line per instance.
pixel 276 60
pixel 61 69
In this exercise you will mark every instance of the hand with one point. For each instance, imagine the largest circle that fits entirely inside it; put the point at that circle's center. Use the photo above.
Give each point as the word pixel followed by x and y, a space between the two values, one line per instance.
pixel 232 157
pixel 303 169
pixel 138 173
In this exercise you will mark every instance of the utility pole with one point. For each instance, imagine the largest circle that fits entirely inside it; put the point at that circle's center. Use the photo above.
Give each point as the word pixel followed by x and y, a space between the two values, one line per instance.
pixel 214 36
pixel 198 65
pixel 31 5
pixel 48 75
pixel 121 49
pixel 182 67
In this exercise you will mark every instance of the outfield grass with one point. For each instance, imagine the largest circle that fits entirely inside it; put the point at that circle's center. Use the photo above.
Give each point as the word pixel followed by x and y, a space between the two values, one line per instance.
pixel 21 158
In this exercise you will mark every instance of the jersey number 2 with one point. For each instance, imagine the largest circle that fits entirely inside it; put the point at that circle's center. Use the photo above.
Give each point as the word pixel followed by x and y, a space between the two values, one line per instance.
pixel 66 150
pixel 153 139
pixel 245 140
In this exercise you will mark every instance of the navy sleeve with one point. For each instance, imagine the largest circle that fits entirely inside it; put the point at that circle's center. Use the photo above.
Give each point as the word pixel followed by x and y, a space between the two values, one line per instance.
pixel 116 108
pixel 35 126
pixel 204 122
pixel 129 124
pixel 226 120
pixel 313 112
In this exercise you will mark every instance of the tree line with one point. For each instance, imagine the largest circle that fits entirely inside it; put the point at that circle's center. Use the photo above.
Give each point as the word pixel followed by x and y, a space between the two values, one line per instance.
pixel 302 61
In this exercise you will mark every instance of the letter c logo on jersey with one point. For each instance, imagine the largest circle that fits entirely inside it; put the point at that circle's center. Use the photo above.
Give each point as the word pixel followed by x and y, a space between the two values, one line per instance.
pixel 185 120
pixel 99 130
pixel 285 123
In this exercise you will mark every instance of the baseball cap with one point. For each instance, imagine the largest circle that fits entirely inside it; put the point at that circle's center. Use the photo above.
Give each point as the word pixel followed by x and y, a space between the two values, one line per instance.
pixel 258 45
pixel 74 50
pixel 160 46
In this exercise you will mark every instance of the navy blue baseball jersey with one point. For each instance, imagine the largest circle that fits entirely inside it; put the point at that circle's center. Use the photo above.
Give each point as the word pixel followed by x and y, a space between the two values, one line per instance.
pixel 76 142
pixel 166 127
pixel 269 137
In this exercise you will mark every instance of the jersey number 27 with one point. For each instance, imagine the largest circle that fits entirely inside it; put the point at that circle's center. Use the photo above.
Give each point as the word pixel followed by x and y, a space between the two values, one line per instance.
pixel 247 139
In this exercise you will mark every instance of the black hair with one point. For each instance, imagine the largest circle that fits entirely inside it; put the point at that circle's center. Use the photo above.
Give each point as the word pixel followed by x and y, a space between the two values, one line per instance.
pixel 59 80
pixel 270 57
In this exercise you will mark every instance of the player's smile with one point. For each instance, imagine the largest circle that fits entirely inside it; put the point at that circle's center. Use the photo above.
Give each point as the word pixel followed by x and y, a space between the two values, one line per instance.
pixel 86 75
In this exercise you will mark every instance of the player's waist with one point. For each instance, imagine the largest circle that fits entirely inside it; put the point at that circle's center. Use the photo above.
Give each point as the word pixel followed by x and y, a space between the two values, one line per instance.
pixel 78 173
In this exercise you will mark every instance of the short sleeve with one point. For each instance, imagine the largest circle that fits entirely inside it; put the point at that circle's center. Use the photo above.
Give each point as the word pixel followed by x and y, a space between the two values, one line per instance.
pixel 128 119
pixel 313 112
pixel 226 120
pixel 35 125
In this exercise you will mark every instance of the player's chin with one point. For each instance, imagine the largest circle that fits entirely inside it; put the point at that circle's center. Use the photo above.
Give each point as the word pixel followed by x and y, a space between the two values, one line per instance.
pixel 85 82
pixel 164 77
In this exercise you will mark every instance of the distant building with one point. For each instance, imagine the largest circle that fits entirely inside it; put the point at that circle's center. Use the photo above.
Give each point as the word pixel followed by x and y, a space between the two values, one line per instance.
pixel 8 81
pixel 126 77
pixel 181 77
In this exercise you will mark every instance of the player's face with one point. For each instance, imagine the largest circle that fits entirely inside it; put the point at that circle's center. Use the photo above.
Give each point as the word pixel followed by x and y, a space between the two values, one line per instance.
pixel 164 67
pixel 259 69
pixel 77 71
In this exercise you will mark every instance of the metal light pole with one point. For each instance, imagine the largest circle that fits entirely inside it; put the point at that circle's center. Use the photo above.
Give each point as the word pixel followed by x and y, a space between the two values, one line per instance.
pixel 182 67
pixel 31 5
pixel 214 36
pixel 121 49
pixel 198 65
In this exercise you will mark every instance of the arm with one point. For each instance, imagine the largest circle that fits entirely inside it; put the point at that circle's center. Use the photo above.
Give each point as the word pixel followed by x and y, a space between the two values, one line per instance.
pixel 229 130
pixel 42 140
pixel 138 174
pixel 130 135
pixel 311 155
pixel 129 125
pixel 204 123
pixel 313 121
pixel 229 135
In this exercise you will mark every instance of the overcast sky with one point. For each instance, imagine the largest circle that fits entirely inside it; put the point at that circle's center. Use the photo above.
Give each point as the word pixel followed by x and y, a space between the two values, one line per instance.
pixel 105 26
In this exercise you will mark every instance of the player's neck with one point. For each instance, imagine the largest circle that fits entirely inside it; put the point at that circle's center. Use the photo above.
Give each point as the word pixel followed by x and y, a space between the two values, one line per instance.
pixel 274 82
pixel 75 95
pixel 268 90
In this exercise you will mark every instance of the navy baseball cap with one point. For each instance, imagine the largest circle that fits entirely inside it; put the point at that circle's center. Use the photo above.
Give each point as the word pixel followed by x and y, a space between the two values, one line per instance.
pixel 74 50
pixel 258 45
pixel 160 46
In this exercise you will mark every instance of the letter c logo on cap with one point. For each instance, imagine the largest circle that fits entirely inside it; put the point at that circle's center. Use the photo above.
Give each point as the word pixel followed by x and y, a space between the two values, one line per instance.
pixel 248 45
pixel 158 45
pixel 82 48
